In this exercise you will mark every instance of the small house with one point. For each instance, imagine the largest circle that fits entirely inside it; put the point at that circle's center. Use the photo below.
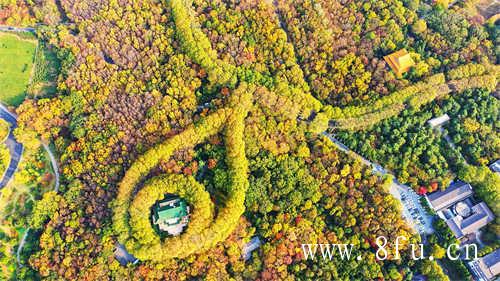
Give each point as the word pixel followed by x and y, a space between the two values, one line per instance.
pixel 123 256
pixel 438 121
pixel 251 246
pixel 495 166
pixel 400 62
pixel 171 214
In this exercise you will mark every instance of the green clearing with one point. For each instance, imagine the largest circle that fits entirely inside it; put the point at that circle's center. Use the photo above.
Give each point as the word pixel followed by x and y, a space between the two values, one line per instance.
pixel 16 62
pixel 46 69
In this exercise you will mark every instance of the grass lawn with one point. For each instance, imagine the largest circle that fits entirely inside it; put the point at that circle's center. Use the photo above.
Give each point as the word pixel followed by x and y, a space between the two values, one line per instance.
pixel 16 62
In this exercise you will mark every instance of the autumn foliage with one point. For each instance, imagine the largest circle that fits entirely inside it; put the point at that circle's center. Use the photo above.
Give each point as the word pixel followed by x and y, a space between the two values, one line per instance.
pixel 134 228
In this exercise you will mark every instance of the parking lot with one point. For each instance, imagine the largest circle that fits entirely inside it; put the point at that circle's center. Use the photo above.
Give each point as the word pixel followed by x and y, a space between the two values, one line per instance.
pixel 413 211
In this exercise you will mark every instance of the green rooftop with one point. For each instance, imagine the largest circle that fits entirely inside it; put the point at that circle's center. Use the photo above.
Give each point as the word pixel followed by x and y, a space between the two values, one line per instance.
pixel 170 214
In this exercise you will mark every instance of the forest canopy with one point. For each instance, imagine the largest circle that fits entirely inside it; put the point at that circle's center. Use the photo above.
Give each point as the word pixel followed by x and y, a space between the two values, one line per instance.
pixel 233 105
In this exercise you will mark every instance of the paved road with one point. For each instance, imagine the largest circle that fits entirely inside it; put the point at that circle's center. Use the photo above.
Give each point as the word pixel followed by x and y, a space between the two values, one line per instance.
pixel 446 137
pixel 413 211
pixel 376 167
pixel 15 148
pixel 16 29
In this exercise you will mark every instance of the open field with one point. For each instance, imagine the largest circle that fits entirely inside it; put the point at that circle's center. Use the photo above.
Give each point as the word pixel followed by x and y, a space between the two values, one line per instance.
pixel 16 62
pixel 45 71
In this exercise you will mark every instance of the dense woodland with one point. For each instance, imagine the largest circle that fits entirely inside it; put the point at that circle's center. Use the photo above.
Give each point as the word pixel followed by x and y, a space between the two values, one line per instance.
pixel 405 144
pixel 420 155
pixel 223 102
pixel 475 126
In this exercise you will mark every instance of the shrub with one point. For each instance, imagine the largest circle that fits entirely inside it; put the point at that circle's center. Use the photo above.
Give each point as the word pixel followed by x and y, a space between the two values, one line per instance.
pixel 4 129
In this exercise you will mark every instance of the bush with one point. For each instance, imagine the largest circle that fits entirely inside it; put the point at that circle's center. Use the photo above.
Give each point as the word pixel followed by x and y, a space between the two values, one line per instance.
pixel 4 158
pixel 4 129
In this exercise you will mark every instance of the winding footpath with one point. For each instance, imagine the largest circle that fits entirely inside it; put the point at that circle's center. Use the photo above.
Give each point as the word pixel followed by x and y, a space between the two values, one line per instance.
pixel 54 165
pixel 55 168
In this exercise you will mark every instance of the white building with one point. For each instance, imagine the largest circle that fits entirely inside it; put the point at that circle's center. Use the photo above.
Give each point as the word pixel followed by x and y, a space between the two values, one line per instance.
pixel 251 246
pixel 461 213
pixel 487 267
pixel 495 166
pixel 438 121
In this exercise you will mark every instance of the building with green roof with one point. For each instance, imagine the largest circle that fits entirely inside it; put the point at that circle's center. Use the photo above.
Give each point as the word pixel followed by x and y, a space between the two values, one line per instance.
pixel 171 214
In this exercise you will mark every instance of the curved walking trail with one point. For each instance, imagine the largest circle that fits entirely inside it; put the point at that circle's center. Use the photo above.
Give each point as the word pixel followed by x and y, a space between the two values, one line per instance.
pixel 20 247
pixel 55 168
